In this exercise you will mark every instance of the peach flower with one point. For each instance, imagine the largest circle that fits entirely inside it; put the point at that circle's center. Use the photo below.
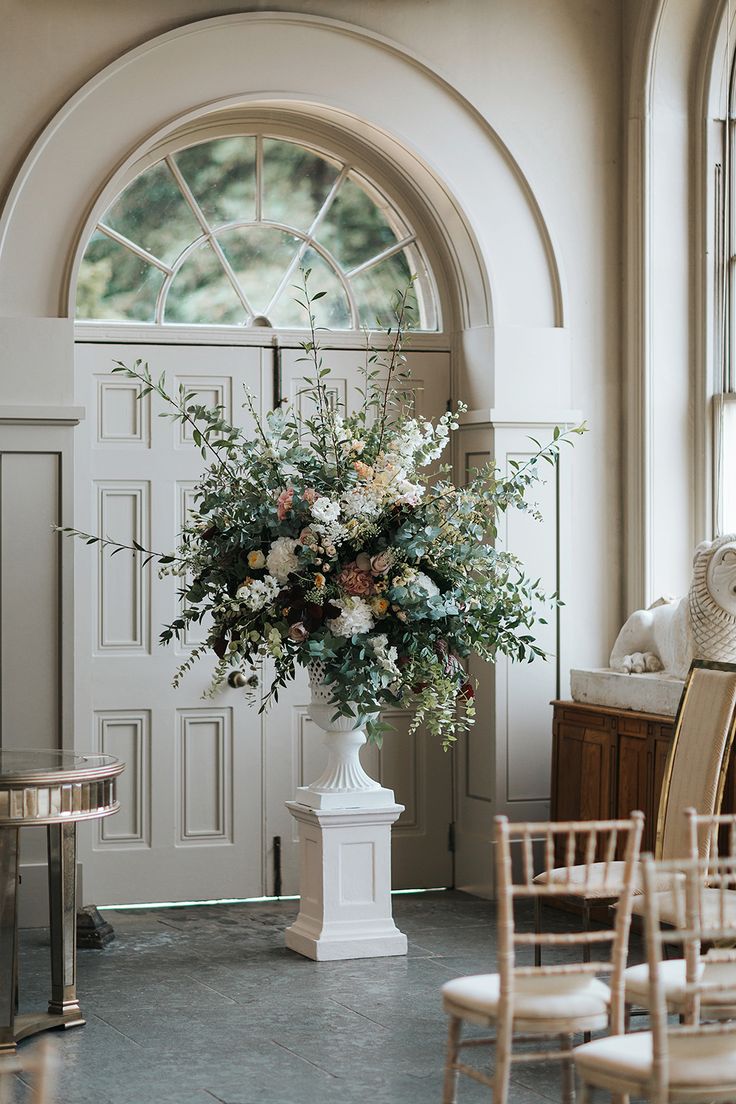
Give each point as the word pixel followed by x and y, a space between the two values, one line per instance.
pixel 354 581
pixel 283 503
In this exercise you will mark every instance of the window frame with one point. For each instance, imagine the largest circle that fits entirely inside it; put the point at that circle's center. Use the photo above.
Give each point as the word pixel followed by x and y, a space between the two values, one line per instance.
pixel 404 219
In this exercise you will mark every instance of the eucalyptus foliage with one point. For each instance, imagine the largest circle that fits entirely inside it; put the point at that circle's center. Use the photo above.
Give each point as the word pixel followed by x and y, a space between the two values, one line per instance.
pixel 332 535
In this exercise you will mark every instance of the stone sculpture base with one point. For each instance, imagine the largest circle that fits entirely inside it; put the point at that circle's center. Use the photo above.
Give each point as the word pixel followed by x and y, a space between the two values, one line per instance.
pixel 345 875
pixel 651 693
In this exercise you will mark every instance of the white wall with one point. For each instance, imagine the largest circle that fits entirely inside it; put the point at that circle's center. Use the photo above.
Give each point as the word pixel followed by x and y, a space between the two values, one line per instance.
pixel 547 76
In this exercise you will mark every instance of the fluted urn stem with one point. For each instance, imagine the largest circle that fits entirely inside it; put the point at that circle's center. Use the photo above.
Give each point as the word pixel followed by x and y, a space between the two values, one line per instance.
pixel 343 784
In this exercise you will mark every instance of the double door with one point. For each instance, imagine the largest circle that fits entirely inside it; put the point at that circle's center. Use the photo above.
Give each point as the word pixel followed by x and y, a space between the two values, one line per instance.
pixel 206 779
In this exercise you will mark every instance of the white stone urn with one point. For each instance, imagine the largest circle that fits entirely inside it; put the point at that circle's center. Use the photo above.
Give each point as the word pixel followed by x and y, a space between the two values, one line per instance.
pixel 343 784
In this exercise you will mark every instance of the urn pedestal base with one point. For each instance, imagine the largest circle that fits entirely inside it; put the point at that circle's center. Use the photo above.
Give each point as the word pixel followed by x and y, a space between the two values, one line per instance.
pixel 345 865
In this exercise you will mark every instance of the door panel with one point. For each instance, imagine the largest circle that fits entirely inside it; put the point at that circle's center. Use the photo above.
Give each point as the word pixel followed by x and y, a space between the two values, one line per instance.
pixel 190 827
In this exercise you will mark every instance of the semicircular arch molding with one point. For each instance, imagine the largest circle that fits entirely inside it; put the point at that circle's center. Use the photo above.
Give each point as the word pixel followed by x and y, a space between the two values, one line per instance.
pixel 499 251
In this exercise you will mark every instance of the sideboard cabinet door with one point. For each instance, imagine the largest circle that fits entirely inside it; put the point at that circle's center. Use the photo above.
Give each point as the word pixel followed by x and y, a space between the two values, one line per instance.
pixel 583 766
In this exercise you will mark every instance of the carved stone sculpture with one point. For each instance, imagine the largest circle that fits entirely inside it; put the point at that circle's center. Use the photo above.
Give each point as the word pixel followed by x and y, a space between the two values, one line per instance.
pixel 674 631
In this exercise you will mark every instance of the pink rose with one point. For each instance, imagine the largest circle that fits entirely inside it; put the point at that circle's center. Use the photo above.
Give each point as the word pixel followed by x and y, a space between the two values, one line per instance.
pixel 308 538
pixel 283 503
pixel 354 581
pixel 381 563
pixel 298 632
pixel 310 496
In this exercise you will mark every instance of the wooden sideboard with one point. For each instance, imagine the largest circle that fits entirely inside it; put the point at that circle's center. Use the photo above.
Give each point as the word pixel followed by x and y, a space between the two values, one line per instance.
pixel 608 762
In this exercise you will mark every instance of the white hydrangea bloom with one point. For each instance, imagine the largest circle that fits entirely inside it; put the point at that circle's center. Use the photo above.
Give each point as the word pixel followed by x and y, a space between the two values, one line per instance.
pixel 326 511
pixel 258 593
pixel 426 584
pixel 365 500
pixel 281 558
pixel 355 617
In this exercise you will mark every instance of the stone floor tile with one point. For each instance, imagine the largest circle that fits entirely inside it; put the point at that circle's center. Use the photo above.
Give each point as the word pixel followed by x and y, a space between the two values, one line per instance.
pixel 196 1005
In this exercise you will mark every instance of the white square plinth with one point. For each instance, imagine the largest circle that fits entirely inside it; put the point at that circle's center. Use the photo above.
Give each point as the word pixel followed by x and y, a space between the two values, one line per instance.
pixel 345 884
pixel 651 693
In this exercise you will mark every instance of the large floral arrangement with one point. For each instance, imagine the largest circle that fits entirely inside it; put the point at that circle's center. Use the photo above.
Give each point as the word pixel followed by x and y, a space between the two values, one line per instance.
pixel 335 536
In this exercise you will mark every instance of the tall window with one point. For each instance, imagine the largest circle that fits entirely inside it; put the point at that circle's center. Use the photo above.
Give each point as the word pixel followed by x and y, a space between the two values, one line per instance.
pixel 725 400
pixel 216 234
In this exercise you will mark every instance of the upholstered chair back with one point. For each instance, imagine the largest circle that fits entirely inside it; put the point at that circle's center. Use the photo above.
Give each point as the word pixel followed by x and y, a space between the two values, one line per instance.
pixel 696 766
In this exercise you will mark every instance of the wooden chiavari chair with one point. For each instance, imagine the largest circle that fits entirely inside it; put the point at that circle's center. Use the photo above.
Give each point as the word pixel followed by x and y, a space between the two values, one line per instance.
pixel 710 838
pixel 39 1065
pixel 531 1003
pixel 693 1062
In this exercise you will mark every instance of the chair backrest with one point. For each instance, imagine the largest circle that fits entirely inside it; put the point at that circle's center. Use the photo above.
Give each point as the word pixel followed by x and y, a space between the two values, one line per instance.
pixel 695 773
pixel 711 836
pixel 701 915
pixel 597 842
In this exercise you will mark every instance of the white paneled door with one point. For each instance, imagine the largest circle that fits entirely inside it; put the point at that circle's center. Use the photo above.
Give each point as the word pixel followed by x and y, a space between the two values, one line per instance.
pixel 206 780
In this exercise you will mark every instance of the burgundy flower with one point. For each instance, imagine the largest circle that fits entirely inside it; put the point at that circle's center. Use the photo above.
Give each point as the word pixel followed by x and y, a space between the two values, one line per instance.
pixel 466 692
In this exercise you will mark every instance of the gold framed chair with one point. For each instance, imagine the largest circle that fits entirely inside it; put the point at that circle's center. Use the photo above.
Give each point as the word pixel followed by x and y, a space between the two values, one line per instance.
pixel 695 772
pixel 531 1003
pixel 693 1062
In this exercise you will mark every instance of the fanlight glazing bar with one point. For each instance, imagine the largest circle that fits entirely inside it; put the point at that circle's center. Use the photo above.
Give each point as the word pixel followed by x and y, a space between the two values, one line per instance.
pixel 259 177
pixel 210 236
pixel 309 240
pixel 137 249
pixel 390 251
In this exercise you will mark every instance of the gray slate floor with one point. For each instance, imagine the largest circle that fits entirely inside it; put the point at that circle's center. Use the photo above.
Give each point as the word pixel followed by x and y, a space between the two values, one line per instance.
pixel 200 1005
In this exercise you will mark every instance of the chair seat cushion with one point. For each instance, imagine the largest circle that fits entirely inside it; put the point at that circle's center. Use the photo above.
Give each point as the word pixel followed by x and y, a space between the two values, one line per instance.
pixel 548 997
pixel 672 973
pixel 595 879
pixel 695 1061
pixel 668 912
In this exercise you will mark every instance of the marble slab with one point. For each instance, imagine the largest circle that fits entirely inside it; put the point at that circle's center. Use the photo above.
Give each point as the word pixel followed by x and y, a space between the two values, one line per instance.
pixel 650 693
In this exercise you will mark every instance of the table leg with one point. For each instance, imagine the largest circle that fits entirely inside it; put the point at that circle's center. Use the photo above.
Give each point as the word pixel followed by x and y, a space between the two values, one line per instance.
pixel 63 916
pixel 9 859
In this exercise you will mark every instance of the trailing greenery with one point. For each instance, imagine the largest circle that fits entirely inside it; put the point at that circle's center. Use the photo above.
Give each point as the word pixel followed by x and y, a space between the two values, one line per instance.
pixel 332 535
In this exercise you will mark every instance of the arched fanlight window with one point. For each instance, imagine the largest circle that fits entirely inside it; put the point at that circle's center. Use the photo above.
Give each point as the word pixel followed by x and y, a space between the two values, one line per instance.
pixel 216 233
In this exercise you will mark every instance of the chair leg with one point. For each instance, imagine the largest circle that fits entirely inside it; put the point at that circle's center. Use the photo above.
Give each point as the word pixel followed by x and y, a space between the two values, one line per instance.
pixel 586 929
pixel 449 1094
pixel 586 951
pixel 504 1037
pixel 537 930
pixel 568 1072
pixel 584 1093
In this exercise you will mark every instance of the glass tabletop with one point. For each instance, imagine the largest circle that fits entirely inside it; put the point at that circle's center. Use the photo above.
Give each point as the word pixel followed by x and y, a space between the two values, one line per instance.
pixel 24 761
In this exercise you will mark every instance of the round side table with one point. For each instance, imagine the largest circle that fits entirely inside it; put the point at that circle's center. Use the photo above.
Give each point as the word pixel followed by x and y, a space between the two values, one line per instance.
pixel 58 789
